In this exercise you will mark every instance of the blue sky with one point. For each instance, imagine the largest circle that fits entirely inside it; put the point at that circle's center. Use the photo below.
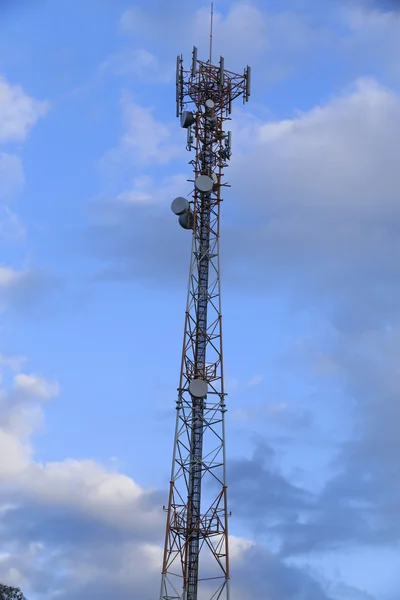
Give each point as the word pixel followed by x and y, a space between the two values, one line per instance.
pixel 93 285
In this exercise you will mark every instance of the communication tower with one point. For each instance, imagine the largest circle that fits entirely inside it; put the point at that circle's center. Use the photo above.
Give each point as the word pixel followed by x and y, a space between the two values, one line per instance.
pixel 196 555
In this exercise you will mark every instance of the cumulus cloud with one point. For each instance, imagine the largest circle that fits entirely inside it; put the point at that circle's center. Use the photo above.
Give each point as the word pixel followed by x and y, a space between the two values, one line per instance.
pixel 358 506
pixel 11 228
pixel 140 63
pixel 243 33
pixel 75 528
pixel 9 276
pixel 49 506
pixel 347 592
pixel 20 415
pixel 140 211
pixel 324 211
pixel 364 495
pixel 19 112
pixel 259 489
pixel 22 291
pixel 335 157
pixel 280 414
pixel 262 575
pixel 372 42
pixel 316 213
pixel 15 363
pixel 146 140
pixel 322 227
pixel 326 205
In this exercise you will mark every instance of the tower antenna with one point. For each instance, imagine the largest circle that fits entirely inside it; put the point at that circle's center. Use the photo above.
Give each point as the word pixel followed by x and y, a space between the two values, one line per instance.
pixel 196 553
pixel 211 30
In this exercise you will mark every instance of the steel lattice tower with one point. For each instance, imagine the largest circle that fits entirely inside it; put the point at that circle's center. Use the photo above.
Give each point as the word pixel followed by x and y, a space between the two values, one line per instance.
pixel 197 517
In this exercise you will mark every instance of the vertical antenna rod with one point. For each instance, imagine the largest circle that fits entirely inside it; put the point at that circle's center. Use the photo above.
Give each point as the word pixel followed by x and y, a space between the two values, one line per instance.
pixel 211 30
pixel 196 553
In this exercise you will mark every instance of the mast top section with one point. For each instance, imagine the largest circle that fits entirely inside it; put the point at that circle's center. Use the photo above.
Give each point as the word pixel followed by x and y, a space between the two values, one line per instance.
pixel 207 82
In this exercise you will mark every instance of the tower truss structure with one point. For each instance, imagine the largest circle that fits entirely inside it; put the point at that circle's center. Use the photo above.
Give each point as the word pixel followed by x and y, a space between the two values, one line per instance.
pixel 196 554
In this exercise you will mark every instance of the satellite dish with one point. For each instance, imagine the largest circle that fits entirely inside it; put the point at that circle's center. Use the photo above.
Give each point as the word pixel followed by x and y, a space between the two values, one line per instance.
pixel 187 119
pixel 198 388
pixel 204 184
pixel 186 220
pixel 210 104
pixel 179 206
pixel 214 177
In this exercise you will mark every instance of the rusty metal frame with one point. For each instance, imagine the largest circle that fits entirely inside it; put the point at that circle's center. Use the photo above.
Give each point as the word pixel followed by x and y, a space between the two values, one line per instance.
pixel 184 576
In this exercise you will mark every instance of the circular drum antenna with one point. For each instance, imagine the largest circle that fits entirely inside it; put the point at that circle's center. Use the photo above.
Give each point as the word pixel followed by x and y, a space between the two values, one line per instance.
pixel 210 104
pixel 185 220
pixel 198 388
pixel 204 184
pixel 187 119
pixel 179 206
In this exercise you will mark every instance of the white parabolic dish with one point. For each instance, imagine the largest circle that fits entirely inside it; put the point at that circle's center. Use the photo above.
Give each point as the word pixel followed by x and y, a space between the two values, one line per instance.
pixel 179 206
pixel 198 388
pixel 204 184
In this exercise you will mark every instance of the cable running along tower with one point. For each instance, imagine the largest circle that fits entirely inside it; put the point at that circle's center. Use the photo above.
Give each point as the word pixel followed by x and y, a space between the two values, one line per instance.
pixel 196 557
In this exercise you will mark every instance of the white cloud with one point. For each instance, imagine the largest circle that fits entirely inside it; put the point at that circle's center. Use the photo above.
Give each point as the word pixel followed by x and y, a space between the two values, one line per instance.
pixel 146 142
pixel 324 190
pixel 20 415
pixel 129 18
pixel 323 223
pixel 37 386
pixel 140 192
pixel 85 486
pixel 9 276
pixel 140 63
pixel 362 18
pixel 15 363
pixel 81 485
pixel 73 528
pixel 145 135
pixel 148 189
pixel 243 34
pixel 372 40
pixel 302 181
pixel 244 22
pixel 21 406
pixel 22 290
pixel 19 289
pixel 325 209
pixel 237 547
pixel 338 159
pixel 16 456
pixel 18 112
pixel 143 192
pixel 135 196
pixel 11 228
